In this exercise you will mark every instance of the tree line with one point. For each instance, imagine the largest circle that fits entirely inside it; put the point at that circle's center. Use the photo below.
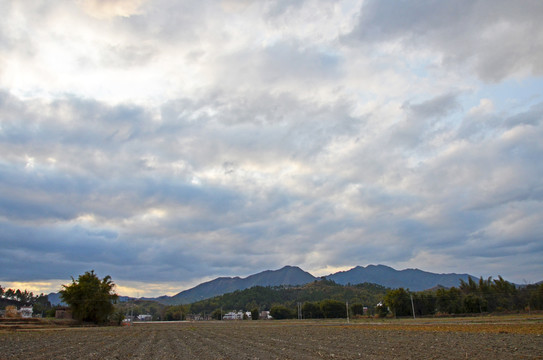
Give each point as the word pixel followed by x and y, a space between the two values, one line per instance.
pixel 18 298
pixel 483 296
pixel 92 299
pixel 272 298
pixel 265 298
pixel 326 299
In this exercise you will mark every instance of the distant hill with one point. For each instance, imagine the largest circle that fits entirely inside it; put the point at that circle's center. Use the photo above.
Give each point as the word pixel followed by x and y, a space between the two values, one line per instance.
pixel 265 297
pixel 412 279
pixel 288 275
pixel 54 299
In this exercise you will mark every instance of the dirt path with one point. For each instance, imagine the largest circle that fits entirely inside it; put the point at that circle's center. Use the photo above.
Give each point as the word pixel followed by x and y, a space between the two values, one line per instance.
pixel 282 340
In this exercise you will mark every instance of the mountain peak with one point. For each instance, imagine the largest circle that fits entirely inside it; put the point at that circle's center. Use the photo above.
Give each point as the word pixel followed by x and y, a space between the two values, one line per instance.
pixel 413 279
pixel 287 275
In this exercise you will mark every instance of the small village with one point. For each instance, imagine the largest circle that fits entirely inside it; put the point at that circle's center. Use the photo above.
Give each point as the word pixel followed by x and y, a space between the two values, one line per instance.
pixel 27 312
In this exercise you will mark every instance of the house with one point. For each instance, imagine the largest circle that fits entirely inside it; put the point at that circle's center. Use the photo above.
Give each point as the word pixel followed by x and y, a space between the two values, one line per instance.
pixel 233 315
pixel 265 315
pixel 26 311
pixel 145 317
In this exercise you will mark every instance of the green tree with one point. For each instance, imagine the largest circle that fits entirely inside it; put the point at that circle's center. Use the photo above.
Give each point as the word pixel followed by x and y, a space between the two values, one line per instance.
pixel 504 292
pixel 357 309
pixel 473 304
pixel 118 317
pixel 536 297
pixel 175 313
pixel 424 303
pixel 255 314
pixel 311 310
pixel 41 304
pixel 217 314
pixel 399 302
pixel 9 294
pixel 333 309
pixel 449 301
pixel 90 298
pixel 279 312
pixel 381 310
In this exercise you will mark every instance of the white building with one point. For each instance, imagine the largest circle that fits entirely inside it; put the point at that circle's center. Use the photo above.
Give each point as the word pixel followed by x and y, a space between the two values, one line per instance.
pixel 265 315
pixel 233 315
pixel 26 311
pixel 145 317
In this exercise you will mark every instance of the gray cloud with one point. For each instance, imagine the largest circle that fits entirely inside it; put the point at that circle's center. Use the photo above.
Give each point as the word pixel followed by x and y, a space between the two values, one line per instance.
pixel 208 223
pixel 497 39
pixel 279 145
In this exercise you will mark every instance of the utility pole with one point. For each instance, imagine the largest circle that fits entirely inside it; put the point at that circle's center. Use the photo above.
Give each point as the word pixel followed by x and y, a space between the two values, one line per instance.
pixel 347 308
pixel 131 313
pixel 412 305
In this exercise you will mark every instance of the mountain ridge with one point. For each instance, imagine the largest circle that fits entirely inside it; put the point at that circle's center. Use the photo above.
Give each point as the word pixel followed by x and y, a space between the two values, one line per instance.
pixel 413 279
pixel 287 275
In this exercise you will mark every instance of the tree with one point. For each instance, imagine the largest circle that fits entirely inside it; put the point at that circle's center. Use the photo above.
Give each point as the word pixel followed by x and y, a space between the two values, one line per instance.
pixel 333 309
pixel 176 313
pixel 399 302
pixel 90 298
pixel 381 310
pixel 41 304
pixel 281 312
pixel 449 301
pixel 118 317
pixel 255 314
pixel 217 314
pixel 311 310
pixel 424 303
pixel 536 298
pixel 473 304
pixel 9 294
pixel 357 309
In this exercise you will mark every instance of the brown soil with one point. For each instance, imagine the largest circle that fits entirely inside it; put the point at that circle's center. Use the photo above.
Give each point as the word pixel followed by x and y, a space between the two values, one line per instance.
pixel 13 324
pixel 498 338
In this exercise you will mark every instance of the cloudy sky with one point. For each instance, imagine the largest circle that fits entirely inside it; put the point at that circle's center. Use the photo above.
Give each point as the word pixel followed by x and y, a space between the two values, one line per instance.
pixel 168 142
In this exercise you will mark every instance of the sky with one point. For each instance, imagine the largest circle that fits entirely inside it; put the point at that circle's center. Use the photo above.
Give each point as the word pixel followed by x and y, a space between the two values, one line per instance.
pixel 166 143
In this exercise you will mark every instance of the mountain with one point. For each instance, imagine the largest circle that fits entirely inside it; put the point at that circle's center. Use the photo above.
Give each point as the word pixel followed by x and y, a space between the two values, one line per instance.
pixel 319 290
pixel 54 299
pixel 412 279
pixel 288 275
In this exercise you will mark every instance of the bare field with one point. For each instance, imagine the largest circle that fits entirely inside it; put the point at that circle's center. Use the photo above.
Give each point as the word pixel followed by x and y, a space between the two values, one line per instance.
pixel 474 338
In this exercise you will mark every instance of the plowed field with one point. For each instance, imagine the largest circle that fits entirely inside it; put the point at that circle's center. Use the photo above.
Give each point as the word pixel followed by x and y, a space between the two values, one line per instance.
pixel 429 339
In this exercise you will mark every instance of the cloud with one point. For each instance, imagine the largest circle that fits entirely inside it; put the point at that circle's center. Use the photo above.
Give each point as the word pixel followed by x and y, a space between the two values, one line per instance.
pixel 490 38
pixel 106 9
pixel 168 142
